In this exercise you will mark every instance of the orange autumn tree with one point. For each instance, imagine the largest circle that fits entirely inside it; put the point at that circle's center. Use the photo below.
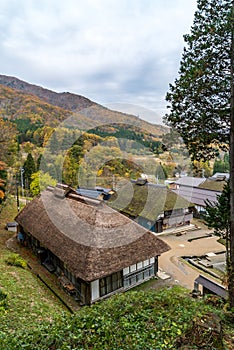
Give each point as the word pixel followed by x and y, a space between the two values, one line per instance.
pixel 2 182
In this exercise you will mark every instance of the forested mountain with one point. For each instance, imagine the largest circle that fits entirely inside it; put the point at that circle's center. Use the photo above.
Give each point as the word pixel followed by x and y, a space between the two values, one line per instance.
pixel 90 114
pixel 21 108
pixel 64 100
pixel 63 129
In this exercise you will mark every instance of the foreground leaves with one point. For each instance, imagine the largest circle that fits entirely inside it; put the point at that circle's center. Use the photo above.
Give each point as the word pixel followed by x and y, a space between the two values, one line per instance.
pixel 133 320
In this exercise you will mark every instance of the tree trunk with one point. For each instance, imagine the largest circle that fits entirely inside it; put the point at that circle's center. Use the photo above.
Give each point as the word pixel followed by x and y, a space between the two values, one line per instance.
pixel 231 276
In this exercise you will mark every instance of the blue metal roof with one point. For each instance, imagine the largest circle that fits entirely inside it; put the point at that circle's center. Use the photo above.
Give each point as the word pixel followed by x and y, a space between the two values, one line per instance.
pixel 95 193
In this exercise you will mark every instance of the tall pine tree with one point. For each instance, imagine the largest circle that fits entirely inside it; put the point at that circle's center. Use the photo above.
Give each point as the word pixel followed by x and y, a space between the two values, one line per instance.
pixel 201 99
pixel 29 168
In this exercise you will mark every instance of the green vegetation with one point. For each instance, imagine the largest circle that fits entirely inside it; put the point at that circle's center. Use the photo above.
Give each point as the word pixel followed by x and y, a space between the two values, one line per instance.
pixel 200 97
pixel 3 302
pixel 134 320
pixel 39 182
pixel 217 216
pixel 24 299
pixel 142 138
pixel 29 168
pixel 221 165
pixel 16 260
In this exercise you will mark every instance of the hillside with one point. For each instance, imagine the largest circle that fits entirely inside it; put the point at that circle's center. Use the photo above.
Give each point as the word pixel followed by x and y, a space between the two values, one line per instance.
pixel 16 105
pixel 64 100
pixel 90 113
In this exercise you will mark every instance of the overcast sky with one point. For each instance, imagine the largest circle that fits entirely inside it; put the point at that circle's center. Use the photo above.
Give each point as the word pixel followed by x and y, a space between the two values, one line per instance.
pixel 120 53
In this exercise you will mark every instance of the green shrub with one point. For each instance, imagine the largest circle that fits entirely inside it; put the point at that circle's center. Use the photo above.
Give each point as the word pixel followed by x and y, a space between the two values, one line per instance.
pixel 3 301
pixel 16 260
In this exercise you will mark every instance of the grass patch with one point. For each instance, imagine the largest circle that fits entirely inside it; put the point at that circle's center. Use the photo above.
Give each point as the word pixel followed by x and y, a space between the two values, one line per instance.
pixel 29 301
pixel 222 241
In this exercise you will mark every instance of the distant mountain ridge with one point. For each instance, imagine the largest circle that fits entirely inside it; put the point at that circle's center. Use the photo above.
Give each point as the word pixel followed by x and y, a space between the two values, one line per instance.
pixel 89 113
pixel 65 100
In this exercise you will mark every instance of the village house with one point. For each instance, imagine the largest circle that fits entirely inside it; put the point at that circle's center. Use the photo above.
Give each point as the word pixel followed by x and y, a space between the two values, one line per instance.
pixel 94 250
pixel 199 190
pixel 155 207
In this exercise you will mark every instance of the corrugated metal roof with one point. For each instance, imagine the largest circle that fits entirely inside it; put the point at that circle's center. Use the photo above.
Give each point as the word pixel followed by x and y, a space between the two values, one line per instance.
pixel 95 193
pixel 218 175
pixel 197 195
pixel 190 181
pixel 91 193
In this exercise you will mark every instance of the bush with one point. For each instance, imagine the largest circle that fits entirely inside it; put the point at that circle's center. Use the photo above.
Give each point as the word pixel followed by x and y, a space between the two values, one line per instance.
pixel 16 260
pixel 3 303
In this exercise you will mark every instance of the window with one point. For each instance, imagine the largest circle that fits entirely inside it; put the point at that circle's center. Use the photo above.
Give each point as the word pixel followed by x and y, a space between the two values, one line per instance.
pixel 139 265
pixel 125 270
pixel 144 271
pixel 133 279
pixel 133 268
pixel 110 283
pixel 145 263
pixel 139 277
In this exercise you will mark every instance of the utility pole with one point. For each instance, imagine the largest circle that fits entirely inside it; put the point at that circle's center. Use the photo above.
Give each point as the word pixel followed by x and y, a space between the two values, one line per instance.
pixel 17 193
pixel 22 180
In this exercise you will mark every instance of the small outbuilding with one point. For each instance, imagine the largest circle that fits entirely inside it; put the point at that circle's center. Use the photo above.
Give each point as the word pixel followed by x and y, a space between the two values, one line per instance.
pixel 209 287
pixel 12 226
pixel 95 250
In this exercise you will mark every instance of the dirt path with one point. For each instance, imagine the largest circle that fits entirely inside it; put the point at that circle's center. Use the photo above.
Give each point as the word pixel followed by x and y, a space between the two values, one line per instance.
pixel 180 271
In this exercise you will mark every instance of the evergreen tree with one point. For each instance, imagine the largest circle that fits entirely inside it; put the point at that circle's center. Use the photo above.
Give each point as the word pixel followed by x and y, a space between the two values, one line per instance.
pixel 201 94
pixel 220 166
pixel 202 98
pixel 29 168
pixel 218 217
pixel 38 162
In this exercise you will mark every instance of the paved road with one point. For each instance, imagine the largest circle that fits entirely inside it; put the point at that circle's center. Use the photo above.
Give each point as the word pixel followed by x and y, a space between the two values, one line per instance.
pixel 181 272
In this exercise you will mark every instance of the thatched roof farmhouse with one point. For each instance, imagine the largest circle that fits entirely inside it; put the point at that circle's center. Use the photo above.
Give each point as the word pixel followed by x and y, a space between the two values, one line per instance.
pixel 97 249
pixel 155 207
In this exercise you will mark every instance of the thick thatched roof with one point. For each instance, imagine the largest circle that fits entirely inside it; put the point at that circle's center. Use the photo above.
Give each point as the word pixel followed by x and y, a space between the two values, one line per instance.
pixel 213 184
pixel 92 239
pixel 147 201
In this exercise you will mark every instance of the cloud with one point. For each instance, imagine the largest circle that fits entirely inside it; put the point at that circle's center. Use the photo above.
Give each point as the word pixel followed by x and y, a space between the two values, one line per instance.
pixel 104 49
